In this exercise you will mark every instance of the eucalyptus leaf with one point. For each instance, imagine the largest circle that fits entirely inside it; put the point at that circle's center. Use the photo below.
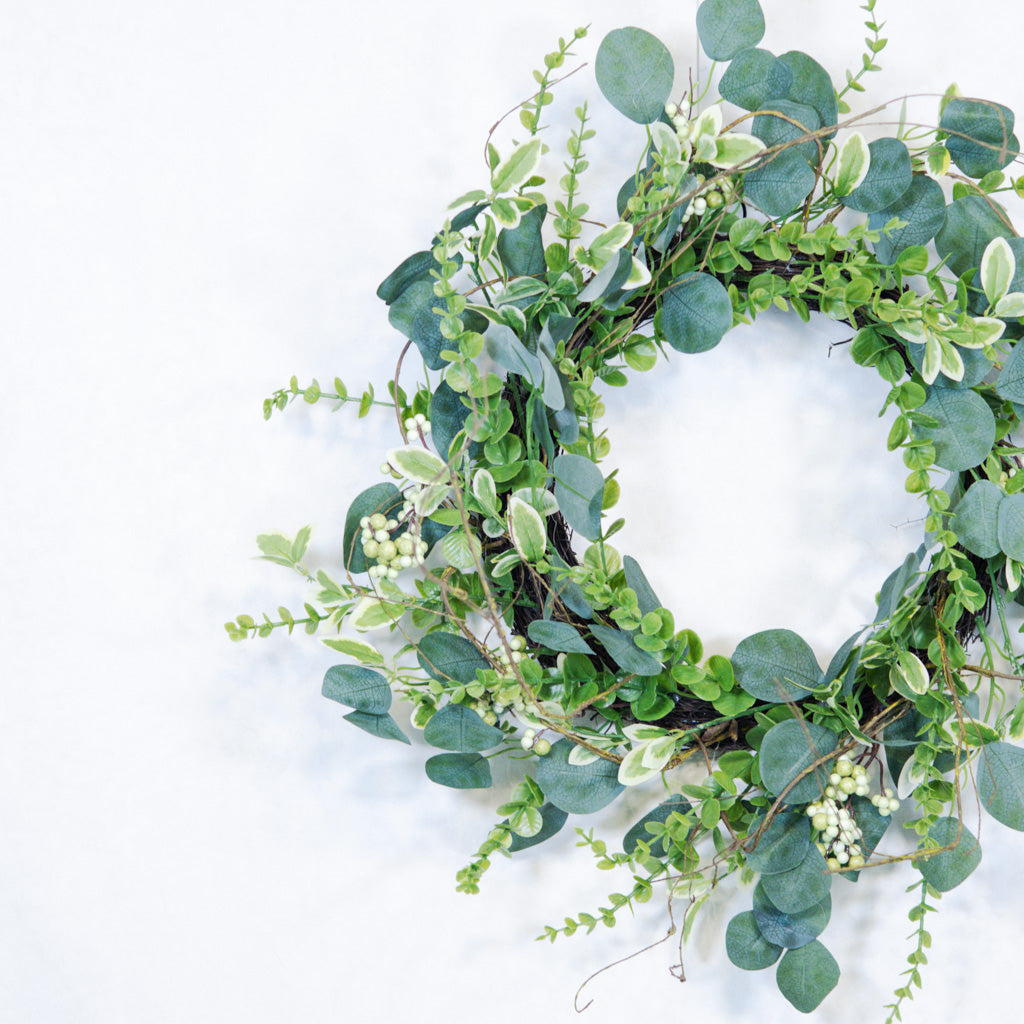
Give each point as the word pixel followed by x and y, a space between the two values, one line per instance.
pixel 922 206
pixel 579 490
pixel 578 790
pixel 444 656
pixel 746 947
pixel 726 27
pixel 801 887
pixel 646 598
pixel 634 70
pixel 946 869
pixel 521 248
pixel 981 138
pixel 776 665
pixel 966 428
pixel 624 652
pixel 412 314
pixel 508 352
pixel 787 122
pixel 754 79
pixel 790 930
pixel 457 727
pixel 784 843
pixel 812 86
pixel 781 184
pixel 788 750
pixel 558 636
pixel 975 519
pixel 358 687
pixel 888 177
pixel 383 498
pixel 413 268
pixel 695 313
pixel 459 771
pixel 1010 526
pixel 448 416
pixel 1010 383
pixel 971 223
pixel 1000 775
pixel 382 725
pixel 806 975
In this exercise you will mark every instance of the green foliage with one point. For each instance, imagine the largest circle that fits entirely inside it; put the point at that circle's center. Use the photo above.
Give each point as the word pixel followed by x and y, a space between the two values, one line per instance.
pixel 635 71
pixel 794 760
pixel 577 789
pixel 776 665
pixel 728 26
pixel 952 854
pixel 806 975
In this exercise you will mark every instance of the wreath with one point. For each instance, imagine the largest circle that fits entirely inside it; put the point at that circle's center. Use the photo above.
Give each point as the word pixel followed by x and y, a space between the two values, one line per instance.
pixel 524 634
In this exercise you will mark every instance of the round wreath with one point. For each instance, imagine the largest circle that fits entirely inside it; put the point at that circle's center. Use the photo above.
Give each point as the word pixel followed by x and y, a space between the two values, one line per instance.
pixel 521 640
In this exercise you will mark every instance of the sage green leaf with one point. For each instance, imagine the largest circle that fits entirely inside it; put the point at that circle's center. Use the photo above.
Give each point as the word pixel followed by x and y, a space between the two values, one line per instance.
pixel 754 79
pixel 646 598
pixel 383 726
pixel 781 184
pixel 888 177
pixel 508 352
pixel 357 687
pixel 383 498
pixel 447 417
pixel 1010 526
pixel 412 314
pixel 975 519
pixel 947 869
pixel 1010 383
pixel 806 975
pixel 695 313
pixel 456 727
pixel 897 583
pixel 413 268
pixel 746 947
pixel 872 825
pixel 558 636
pixel 726 27
pixel 790 930
pixel 553 820
pixel 971 223
pixel 1000 775
pixel 516 168
pixel 659 815
pixel 624 652
pixel 635 72
pixel 788 750
pixel 579 490
pixel 445 656
pixel 966 428
pixel 801 887
pixel 784 843
pixel 922 206
pixel 776 666
pixel 981 138
pixel 812 87
pixel 521 248
pixel 526 527
pixel 577 789
pixel 785 122
pixel 459 771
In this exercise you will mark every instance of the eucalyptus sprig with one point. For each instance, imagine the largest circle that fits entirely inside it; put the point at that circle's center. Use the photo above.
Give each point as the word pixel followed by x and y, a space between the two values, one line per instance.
pixel 524 635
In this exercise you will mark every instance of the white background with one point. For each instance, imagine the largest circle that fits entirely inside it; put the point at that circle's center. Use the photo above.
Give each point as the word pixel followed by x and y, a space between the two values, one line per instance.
pixel 198 200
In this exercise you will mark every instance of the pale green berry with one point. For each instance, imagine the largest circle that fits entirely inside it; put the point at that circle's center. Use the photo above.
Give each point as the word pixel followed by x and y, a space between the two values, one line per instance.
pixel 370 549
pixel 378 520
pixel 847 785
pixel 542 747
pixel 387 551
pixel 844 767
pixel 856 861
pixel 820 822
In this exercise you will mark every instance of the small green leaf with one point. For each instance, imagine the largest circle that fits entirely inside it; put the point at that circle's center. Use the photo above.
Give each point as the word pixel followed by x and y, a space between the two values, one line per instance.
pixel 513 171
pixel 806 975
pixel 998 266
pixel 746 947
pixel 417 464
pixel 852 165
pixel 526 527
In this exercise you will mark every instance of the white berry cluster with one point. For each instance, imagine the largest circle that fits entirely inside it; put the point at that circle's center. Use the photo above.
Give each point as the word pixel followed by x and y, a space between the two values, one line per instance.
pixel 538 745
pixel 418 424
pixel 838 832
pixel 391 555
pixel 697 139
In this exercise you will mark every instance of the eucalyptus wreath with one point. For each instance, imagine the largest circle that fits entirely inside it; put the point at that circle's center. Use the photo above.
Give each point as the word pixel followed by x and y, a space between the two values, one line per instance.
pixel 524 634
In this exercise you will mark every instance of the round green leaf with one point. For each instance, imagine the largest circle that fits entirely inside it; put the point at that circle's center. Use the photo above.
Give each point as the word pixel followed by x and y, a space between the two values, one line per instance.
pixel 357 687
pixel 558 636
pixel 784 843
pixel 776 666
pixel 806 975
pixel 412 314
pixel 634 70
pixel 416 267
pixel 981 138
pixel 554 818
pixel 659 815
pixel 746 947
pixel 459 771
pixel 966 428
pixel 383 726
pixel 1000 775
pixel 695 313
pixel 1010 526
pixel 790 748
pixel 445 656
pixel 521 248
pixel 790 930
pixel 754 79
pixel 975 520
pixel 971 223
pixel 801 887
pixel 579 490
pixel 577 789
pixel 775 127
pixel 456 727
pixel 888 178
pixel 1010 383
pixel 922 206
pixel 781 184
pixel 727 26
pixel 947 869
